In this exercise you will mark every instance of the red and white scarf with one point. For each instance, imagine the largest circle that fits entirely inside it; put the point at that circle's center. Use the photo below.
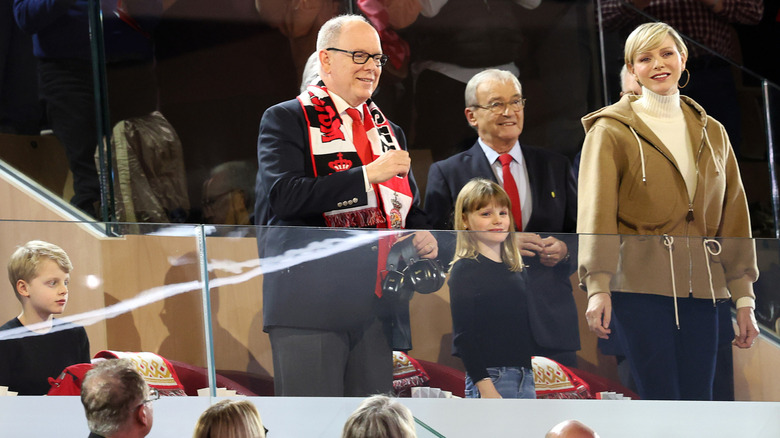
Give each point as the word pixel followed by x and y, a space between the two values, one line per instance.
pixel 331 152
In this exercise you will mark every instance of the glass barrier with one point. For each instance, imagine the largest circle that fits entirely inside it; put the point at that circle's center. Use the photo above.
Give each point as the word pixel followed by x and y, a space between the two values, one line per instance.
pixel 309 279
pixel 189 82
pixel 145 292
pixel 138 293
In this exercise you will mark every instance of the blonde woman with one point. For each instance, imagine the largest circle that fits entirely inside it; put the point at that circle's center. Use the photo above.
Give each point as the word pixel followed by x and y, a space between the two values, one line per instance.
pixel 660 183
pixel 230 419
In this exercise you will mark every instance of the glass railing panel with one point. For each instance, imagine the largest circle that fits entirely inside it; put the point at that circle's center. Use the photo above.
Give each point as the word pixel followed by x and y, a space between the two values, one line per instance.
pixel 308 273
pixel 136 293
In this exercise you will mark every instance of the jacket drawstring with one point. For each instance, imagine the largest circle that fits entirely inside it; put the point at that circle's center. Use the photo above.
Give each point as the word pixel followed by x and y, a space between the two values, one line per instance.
pixel 641 153
pixel 709 145
pixel 668 243
pixel 712 250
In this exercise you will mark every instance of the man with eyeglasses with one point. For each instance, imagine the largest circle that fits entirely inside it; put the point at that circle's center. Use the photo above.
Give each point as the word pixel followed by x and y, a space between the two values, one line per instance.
pixel 330 160
pixel 542 188
pixel 117 401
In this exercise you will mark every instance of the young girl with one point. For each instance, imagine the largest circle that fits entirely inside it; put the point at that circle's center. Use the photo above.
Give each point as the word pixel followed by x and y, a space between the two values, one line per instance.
pixel 491 333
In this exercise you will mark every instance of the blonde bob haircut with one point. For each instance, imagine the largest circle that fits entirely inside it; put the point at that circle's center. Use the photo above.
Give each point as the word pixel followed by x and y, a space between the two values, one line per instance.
pixel 26 261
pixel 649 36
pixel 476 194
pixel 380 416
pixel 230 419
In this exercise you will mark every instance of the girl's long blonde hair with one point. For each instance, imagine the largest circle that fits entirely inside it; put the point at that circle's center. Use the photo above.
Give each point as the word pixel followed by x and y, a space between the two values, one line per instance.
pixel 476 194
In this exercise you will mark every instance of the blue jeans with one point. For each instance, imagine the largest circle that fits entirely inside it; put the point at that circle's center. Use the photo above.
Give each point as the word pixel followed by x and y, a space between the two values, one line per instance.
pixel 510 382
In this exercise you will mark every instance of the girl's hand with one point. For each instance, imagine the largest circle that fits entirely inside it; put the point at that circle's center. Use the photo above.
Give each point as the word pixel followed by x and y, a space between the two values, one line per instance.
pixel 487 389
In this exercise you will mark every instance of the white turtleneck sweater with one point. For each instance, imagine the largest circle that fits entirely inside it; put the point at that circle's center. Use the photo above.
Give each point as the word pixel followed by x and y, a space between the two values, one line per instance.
pixel 664 116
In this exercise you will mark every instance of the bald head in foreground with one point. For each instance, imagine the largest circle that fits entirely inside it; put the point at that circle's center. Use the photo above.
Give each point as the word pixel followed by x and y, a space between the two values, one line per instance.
pixel 571 429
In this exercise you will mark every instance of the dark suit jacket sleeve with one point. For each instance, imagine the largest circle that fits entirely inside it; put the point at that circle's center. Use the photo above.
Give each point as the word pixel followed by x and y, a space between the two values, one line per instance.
pixel 438 199
pixel 417 219
pixel 285 177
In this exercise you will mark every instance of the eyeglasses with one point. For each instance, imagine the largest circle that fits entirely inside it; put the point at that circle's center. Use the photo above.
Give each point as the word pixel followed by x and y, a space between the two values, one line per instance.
pixel 500 107
pixel 154 394
pixel 360 57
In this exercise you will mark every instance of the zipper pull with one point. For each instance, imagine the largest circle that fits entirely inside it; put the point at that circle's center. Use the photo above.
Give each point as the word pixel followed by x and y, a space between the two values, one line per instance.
pixel 689 216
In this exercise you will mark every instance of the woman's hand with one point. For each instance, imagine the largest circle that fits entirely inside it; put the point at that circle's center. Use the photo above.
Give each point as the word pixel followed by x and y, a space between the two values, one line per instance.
pixel 748 328
pixel 599 314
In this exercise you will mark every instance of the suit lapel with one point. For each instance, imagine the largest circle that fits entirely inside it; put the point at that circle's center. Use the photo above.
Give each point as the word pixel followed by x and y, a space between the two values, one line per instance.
pixel 480 167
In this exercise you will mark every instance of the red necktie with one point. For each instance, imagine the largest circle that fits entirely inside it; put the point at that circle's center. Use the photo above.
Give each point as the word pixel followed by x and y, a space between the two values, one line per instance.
pixel 359 137
pixel 510 187
pixel 363 147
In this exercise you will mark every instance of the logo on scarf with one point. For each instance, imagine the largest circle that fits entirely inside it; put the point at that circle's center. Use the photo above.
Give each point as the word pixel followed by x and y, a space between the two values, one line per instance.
pixel 330 124
pixel 341 164
pixel 396 219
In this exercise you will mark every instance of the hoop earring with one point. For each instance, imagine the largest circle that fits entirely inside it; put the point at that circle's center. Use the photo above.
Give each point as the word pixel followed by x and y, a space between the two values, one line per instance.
pixel 686 81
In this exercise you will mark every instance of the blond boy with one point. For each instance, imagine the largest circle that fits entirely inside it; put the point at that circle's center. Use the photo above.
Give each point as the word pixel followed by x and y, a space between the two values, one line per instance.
pixel 34 346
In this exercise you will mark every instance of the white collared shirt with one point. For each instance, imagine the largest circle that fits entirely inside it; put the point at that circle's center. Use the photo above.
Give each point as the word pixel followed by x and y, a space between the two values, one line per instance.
pixel 519 173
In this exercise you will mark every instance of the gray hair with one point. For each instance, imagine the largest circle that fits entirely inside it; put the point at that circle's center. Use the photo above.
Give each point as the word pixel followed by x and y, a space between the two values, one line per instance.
pixel 311 71
pixel 329 33
pixel 110 393
pixel 487 75
pixel 380 416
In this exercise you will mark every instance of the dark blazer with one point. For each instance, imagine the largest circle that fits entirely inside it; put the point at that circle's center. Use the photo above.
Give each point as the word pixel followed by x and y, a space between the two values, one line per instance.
pixel 554 194
pixel 334 291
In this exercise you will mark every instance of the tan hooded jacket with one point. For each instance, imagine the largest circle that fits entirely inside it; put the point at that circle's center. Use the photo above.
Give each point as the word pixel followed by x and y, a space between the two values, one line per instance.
pixel 631 188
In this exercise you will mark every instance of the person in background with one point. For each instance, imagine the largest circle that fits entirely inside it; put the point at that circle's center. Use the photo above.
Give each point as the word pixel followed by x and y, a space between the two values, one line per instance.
pixel 61 42
pixel 571 429
pixel 491 331
pixel 229 194
pixel 230 419
pixel 35 346
pixel 380 416
pixel 664 225
pixel 543 191
pixel 117 400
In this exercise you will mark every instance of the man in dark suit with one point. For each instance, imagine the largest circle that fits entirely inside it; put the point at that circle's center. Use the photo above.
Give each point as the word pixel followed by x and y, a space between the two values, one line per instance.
pixel 328 160
pixel 545 189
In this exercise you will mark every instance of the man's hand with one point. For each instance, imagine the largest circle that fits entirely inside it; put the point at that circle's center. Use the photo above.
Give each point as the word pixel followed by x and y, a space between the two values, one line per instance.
pixel 599 314
pixel 530 244
pixel 553 252
pixel 426 245
pixel 388 165
pixel 748 328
